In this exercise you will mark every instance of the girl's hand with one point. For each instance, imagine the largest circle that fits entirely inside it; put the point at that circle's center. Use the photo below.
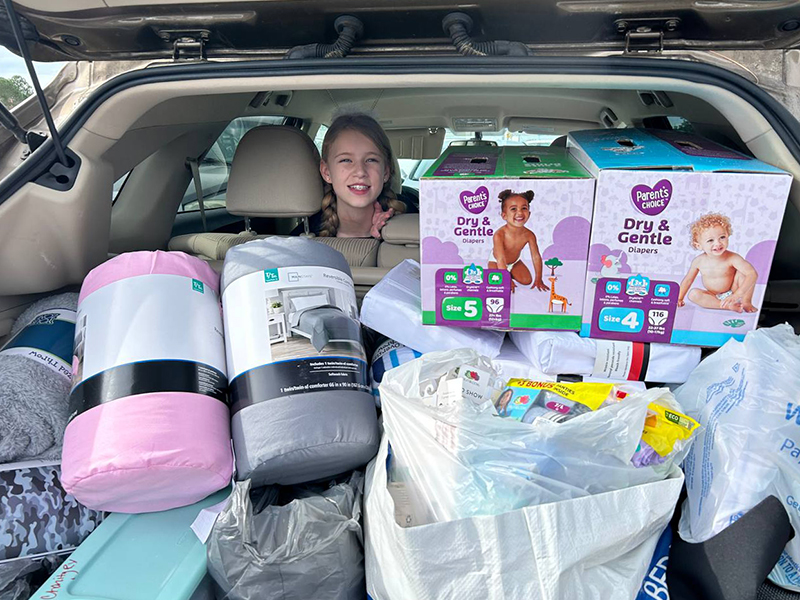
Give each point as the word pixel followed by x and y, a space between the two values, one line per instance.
pixel 681 302
pixel 379 219
pixel 539 285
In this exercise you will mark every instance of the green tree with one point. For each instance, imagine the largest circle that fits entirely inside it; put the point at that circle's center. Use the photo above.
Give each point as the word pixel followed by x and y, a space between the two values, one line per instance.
pixel 14 90
pixel 553 263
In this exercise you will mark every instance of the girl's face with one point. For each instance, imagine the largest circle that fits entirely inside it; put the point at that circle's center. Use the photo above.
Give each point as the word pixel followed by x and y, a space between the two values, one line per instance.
pixel 516 211
pixel 356 168
pixel 713 241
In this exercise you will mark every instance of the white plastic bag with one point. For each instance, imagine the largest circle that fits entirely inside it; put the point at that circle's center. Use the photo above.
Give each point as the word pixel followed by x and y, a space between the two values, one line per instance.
pixel 746 397
pixel 461 460
pixel 587 548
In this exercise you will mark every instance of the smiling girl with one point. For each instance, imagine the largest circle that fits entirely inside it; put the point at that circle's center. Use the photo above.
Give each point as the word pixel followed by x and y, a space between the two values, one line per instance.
pixel 356 166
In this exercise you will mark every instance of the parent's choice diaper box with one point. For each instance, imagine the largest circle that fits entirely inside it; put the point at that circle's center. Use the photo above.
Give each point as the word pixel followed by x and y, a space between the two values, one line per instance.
pixel 683 236
pixel 504 238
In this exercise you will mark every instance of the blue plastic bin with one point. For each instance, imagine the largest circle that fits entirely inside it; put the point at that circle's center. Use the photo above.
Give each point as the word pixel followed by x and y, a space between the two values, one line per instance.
pixel 151 556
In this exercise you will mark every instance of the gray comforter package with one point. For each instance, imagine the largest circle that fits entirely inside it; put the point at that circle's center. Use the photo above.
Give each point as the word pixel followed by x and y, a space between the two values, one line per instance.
pixel 309 548
pixel 34 399
pixel 310 435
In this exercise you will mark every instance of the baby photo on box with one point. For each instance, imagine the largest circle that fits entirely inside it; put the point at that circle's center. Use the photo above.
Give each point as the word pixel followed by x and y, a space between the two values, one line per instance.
pixel 505 246
pixel 679 255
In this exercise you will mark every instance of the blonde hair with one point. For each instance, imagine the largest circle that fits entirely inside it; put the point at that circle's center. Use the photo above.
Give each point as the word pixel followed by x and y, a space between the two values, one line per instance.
pixel 371 129
pixel 707 221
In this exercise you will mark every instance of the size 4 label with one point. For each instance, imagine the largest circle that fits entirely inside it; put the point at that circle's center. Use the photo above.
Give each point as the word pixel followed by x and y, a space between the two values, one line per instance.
pixel 634 309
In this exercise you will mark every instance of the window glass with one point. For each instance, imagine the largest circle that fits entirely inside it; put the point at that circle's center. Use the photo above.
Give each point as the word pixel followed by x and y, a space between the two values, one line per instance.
pixel 215 167
pixel 115 190
pixel 323 129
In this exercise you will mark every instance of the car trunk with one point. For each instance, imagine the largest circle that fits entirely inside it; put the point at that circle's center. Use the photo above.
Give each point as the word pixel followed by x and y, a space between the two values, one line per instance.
pixel 133 115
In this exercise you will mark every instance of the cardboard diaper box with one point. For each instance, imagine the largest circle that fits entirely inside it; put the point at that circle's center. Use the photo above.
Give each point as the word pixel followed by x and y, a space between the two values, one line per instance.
pixel 504 238
pixel 683 236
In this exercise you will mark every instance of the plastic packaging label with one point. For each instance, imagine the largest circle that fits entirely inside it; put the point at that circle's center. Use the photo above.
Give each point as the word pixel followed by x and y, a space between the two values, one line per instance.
pixel 47 339
pixel 621 360
pixel 292 330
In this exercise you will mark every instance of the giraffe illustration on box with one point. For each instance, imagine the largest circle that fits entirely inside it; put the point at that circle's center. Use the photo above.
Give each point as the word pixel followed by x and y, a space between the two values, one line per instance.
pixel 555 298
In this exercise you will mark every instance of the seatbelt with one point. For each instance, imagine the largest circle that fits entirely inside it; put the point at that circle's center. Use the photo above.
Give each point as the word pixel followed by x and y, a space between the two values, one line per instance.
pixel 194 167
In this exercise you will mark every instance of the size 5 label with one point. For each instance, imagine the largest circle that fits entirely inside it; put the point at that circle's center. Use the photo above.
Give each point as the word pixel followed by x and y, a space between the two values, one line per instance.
pixel 473 296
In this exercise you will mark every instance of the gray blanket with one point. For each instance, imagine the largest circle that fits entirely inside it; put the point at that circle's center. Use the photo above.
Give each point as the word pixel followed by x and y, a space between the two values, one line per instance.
pixel 308 435
pixel 33 398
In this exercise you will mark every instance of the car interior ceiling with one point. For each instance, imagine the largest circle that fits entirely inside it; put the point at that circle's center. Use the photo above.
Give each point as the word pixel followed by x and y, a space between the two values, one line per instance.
pixel 151 130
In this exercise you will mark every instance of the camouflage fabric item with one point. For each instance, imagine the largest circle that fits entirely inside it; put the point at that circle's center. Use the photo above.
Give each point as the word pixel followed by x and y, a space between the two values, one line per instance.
pixel 38 516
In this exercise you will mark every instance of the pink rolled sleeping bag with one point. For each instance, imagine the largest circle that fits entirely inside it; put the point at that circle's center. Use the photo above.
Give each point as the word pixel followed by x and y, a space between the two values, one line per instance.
pixel 149 426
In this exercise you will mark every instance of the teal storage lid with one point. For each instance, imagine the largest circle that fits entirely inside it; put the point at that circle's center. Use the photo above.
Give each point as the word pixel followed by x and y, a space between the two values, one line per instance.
pixel 150 556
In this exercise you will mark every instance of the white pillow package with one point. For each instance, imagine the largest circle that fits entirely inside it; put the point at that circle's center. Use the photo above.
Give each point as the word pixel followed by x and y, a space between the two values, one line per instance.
pixel 565 352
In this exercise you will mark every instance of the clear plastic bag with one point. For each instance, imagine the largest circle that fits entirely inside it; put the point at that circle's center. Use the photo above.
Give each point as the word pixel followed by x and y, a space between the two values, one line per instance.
pixel 308 548
pixel 460 459
pixel 745 395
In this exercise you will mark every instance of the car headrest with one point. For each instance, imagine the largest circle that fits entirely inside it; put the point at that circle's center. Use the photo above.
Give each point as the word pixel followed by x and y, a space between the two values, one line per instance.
pixel 396 182
pixel 275 173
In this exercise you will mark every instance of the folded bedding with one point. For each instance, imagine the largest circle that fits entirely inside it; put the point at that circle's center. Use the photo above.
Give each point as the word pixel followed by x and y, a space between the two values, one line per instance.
pixel 35 378
pixel 563 352
pixel 149 424
pixel 301 405
pixel 513 364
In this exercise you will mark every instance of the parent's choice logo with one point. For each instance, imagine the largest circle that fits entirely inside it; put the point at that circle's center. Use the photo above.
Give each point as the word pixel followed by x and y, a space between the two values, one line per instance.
pixel 475 202
pixel 652 201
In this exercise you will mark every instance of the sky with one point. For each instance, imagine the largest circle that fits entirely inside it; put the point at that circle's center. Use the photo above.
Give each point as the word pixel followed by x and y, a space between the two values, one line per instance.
pixel 11 64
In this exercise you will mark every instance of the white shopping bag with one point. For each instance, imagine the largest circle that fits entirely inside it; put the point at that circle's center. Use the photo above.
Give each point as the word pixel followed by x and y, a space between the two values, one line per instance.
pixel 499 509
pixel 592 547
pixel 746 397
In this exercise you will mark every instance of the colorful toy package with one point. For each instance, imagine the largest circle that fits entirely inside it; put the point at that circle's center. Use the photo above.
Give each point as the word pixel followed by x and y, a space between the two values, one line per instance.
pixel 666 431
pixel 525 400
pixel 505 235
pixel 683 236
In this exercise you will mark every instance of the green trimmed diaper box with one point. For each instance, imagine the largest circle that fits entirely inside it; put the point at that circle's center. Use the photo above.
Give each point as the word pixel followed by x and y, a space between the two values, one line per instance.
pixel 505 238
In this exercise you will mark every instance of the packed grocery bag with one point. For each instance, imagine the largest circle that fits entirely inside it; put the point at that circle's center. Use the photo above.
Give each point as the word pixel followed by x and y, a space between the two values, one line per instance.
pixel 746 397
pixel 310 547
pixel 493 507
